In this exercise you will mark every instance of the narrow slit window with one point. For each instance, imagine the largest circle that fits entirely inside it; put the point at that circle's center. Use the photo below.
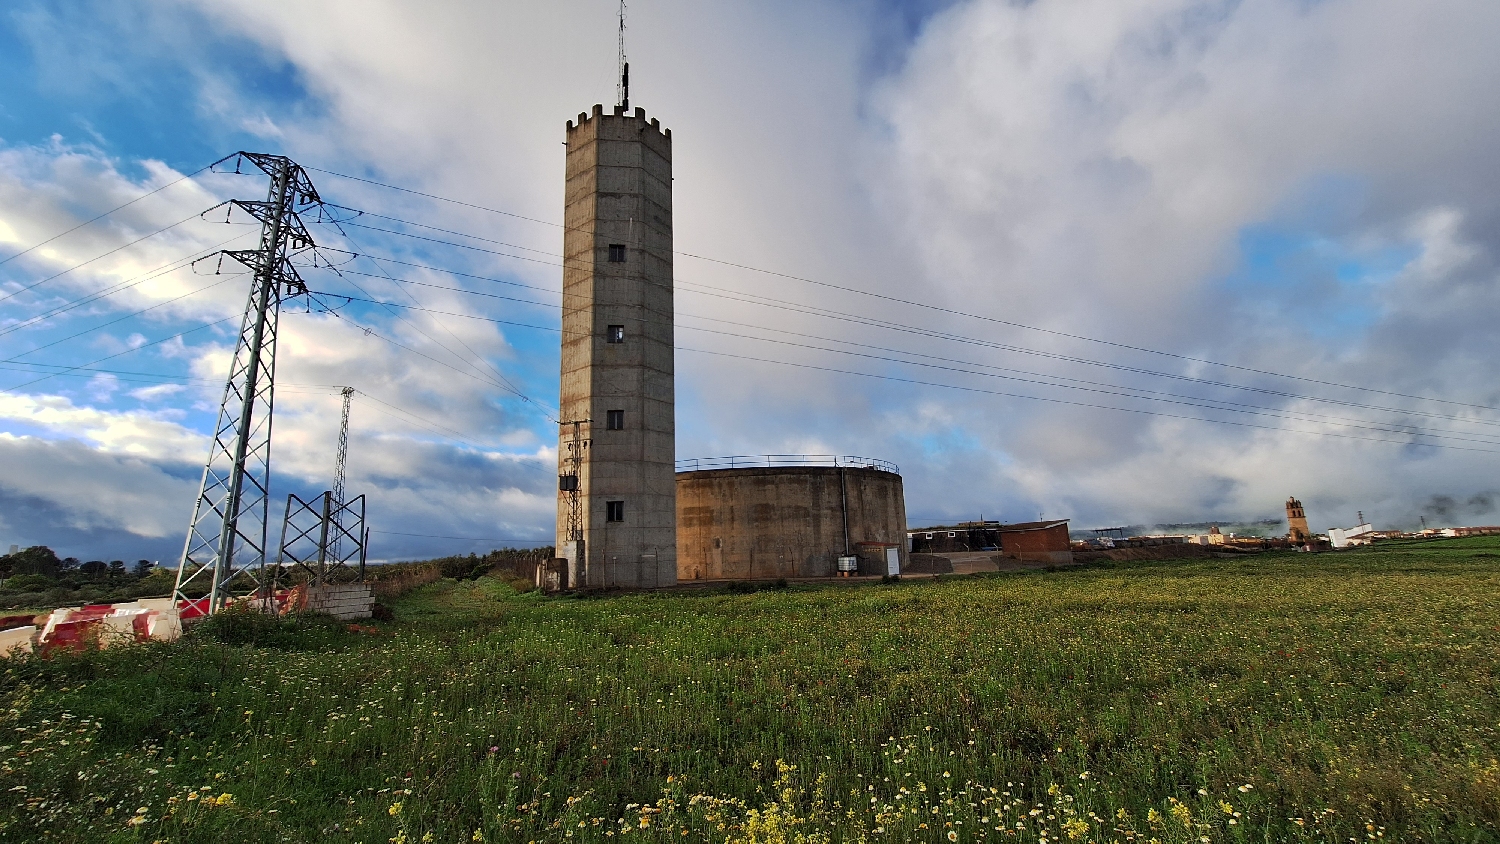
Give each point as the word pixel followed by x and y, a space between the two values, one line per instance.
pixel 614 511
pixel 617 253
pixel 615 420
pixel 615 334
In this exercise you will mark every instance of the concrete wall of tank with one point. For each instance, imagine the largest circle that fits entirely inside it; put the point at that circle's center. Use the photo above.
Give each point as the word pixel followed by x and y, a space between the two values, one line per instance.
pixel 760 523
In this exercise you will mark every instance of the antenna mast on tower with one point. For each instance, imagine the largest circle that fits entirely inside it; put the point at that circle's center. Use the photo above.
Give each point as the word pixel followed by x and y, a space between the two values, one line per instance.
pixel 622 91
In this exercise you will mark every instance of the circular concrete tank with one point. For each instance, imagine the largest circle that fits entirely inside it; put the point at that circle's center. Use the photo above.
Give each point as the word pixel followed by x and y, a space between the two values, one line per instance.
pixel 787 521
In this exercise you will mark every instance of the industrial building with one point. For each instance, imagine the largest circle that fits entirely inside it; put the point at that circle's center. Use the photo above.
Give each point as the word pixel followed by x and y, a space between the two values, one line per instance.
pixel 789 516
pixel 1043 542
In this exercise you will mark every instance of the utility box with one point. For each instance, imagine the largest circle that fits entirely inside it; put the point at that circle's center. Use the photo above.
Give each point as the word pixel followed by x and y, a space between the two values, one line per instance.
pixel 879 559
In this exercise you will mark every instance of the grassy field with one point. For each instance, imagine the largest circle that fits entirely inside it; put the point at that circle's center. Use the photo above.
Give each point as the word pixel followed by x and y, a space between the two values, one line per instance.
pixel 1277 698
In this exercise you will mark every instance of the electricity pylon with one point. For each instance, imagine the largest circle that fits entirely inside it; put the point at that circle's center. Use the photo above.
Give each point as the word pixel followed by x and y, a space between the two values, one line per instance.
pixel 226 541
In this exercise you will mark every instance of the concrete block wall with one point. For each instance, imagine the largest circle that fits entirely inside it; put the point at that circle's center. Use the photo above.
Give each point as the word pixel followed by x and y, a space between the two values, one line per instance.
pixel 344 601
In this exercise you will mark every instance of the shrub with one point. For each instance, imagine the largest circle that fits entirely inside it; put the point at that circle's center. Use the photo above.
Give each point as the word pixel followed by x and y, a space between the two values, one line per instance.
pixel 242 624
pixel 29 583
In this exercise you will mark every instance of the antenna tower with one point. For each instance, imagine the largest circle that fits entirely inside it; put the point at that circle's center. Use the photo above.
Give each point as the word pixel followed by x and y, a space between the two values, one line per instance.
pixel 338 472
pixel 225 551
pixel 622 91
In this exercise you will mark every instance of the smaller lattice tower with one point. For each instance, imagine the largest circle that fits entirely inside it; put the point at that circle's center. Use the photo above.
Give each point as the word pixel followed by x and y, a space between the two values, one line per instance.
pixel 1296 522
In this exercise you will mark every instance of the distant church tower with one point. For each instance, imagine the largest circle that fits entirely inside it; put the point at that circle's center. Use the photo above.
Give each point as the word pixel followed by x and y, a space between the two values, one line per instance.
pixel 1296 522
pixel 617 496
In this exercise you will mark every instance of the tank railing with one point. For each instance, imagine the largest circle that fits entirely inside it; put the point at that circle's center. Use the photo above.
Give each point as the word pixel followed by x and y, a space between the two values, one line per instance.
pixel 753 461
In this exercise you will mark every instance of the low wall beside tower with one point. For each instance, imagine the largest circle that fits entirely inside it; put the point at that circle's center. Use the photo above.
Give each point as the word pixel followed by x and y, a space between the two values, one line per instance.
pixel 767 522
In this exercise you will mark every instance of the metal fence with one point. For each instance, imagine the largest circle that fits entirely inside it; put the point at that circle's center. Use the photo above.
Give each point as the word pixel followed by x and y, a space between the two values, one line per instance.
pixel 753 461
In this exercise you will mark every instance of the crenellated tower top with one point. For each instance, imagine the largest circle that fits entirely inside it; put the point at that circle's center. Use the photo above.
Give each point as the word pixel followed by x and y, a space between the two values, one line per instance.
pixel 619 111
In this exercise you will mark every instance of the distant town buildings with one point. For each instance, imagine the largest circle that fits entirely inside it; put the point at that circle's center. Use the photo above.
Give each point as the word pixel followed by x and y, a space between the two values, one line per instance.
pixel 1348 537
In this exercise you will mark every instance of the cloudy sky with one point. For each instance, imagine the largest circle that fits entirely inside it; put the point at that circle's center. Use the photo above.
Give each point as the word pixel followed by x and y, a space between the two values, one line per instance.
pixel 1123 261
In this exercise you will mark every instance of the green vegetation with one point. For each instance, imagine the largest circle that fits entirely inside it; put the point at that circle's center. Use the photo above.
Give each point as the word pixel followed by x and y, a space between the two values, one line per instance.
pixel 1274 698
pixel 37 577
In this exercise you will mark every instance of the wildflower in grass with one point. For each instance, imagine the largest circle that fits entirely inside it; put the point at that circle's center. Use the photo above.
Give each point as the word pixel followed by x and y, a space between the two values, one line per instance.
pixel 1076 828
pixel 225 799
pixel 395 810
pixel 1181 813
pixel 1225 807
pixel 1153 817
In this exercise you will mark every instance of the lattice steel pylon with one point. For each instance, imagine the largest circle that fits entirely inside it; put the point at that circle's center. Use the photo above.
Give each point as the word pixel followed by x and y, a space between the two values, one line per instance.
pixel 226 540
pixel 338 474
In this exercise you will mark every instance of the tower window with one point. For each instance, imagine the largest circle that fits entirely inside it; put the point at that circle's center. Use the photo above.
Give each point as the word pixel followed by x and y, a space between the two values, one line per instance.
pixel 615 334
pixel 617 253
pixel 615 420
pixel 614 511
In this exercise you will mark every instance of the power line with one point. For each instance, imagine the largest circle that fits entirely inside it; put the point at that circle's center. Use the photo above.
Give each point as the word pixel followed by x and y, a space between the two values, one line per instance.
pixel 227 277
pixel 478 357
pixel 373 333
pixel 923 305
pixel 113 356
pixel 1094 387
pixel 159 379
pixel 466 538
pixel 969 341
pixel 105 214
pixel 829 314
pixel 149 275
pixel 96 258
pixel 441 430
pixel 1077 404
pixel 1150 395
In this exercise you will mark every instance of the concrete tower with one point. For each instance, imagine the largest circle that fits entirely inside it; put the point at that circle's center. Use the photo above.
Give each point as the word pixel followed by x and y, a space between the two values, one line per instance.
pixel 617 502
pixel 1296 521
